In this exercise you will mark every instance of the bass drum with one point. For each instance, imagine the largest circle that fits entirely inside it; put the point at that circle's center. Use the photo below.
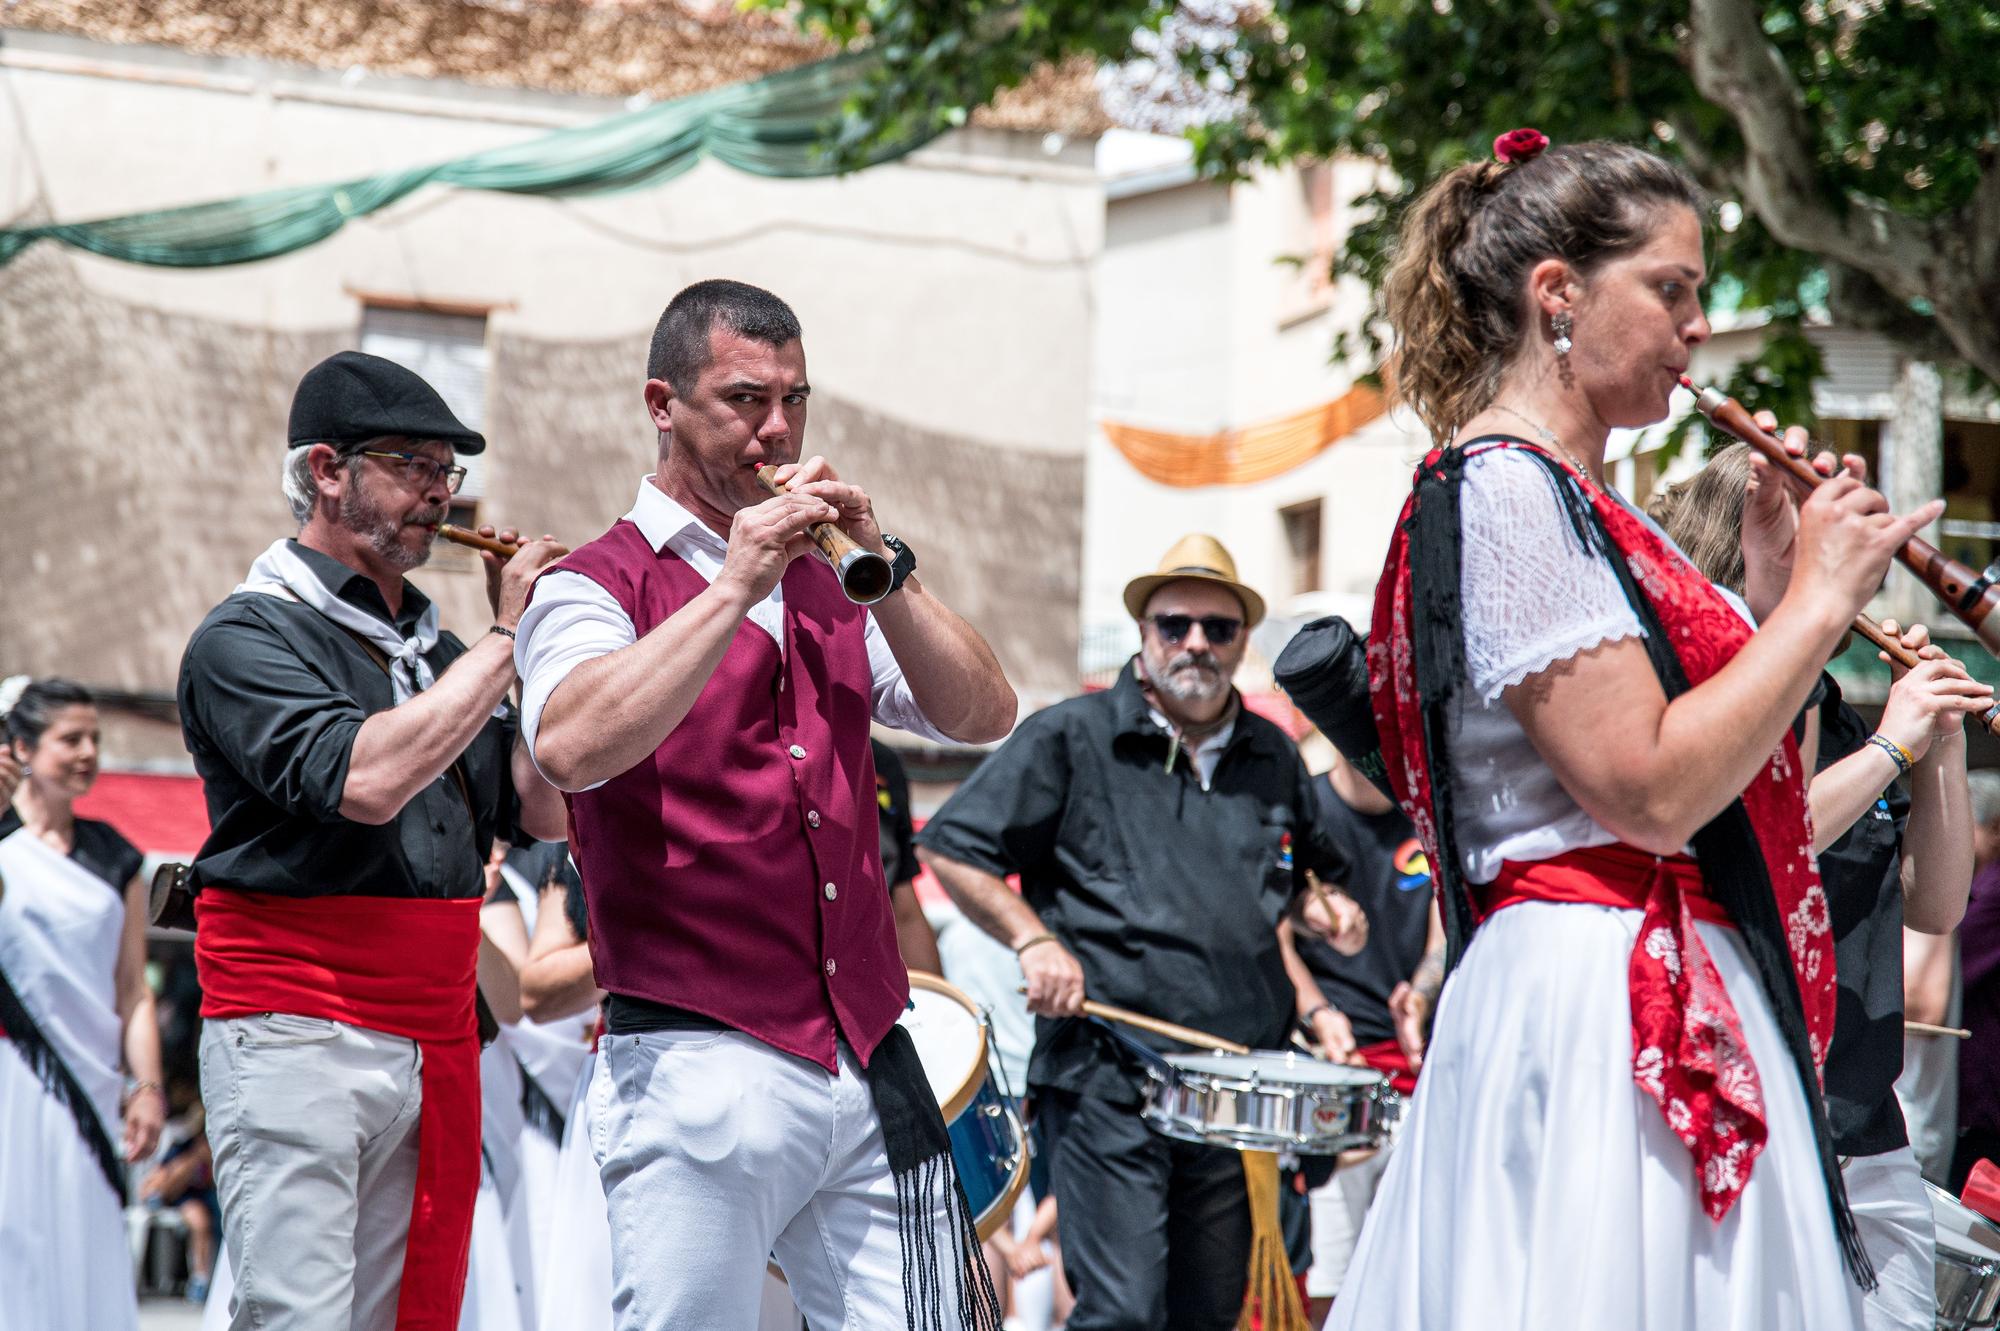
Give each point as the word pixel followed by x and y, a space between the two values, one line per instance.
pixel 988 1144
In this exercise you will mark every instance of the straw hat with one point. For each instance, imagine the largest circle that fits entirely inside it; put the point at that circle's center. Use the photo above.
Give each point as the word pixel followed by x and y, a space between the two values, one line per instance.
pixel 1203 559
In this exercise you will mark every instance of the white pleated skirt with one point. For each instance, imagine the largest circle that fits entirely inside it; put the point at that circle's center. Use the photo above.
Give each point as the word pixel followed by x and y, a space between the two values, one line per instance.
pixel 1535 1187
pixel 64 1261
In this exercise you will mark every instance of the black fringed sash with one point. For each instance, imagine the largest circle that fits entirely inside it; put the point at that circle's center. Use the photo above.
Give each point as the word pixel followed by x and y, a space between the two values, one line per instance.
pixel 919 1150
pixel 46 1062
pixel 1417 665
pixel 538 1110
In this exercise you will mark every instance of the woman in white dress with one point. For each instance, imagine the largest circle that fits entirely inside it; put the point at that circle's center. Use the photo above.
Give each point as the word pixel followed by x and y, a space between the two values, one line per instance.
pixel 73 1004
pixel 1619 1122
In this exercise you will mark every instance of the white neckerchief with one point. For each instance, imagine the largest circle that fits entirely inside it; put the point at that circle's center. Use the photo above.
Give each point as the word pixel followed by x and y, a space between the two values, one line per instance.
pixel 281 573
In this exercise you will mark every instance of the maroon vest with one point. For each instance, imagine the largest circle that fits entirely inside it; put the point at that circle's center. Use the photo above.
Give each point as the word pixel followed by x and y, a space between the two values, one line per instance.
pixel 738 872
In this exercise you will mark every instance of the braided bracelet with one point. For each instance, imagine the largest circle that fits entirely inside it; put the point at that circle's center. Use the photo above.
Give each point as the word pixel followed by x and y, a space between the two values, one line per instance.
pixel 1038 938
pixel 1901 756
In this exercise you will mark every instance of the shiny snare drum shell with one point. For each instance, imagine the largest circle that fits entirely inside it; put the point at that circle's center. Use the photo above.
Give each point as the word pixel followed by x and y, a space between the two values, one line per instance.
pixel 1968 1265
pixel 988 1144
pixel 1270 1101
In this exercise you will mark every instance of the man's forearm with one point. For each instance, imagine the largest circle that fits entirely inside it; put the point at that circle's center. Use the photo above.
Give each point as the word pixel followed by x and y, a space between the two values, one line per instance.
pixel 398 752
pixel 952 673
pixel 985 899
pixel 612 712
pixel 559 984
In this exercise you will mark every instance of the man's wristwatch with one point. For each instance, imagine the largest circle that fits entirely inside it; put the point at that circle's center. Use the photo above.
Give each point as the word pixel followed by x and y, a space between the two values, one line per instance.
pixel 903 565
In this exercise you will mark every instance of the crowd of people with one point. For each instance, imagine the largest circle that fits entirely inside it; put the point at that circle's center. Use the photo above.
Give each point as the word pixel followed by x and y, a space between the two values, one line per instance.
pixel 561 978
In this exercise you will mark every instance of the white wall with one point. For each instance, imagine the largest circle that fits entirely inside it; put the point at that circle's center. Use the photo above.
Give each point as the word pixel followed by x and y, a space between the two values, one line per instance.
pixel 952 291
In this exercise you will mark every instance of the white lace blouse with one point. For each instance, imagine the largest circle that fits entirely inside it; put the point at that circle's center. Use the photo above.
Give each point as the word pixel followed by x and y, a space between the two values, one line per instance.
pixel 1531 595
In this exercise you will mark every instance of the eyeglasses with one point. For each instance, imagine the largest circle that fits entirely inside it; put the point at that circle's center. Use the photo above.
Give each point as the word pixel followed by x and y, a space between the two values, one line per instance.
pixel 420 471
pixel 1220 630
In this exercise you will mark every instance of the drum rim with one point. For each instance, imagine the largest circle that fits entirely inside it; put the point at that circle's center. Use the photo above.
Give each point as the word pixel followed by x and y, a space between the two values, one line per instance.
pixel 1002 1207
pixel 1363 1079
pixel 954 1106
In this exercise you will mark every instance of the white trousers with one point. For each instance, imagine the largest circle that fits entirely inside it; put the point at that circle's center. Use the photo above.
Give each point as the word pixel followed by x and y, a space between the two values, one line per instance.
pixel 1893 1213
pixel 1339 1206
pixel 313 1124
pixel 717 1153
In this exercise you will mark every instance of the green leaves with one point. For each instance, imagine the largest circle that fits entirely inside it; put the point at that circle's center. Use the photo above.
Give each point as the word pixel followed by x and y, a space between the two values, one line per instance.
pixel 1899 97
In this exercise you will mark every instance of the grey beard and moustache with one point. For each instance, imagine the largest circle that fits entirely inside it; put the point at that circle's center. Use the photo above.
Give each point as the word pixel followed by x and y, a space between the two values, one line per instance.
pixel 383 530
pixel 1192 677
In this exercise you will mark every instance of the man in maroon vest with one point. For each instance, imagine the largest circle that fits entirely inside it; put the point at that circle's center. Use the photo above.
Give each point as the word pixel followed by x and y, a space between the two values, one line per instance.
pixel 699 686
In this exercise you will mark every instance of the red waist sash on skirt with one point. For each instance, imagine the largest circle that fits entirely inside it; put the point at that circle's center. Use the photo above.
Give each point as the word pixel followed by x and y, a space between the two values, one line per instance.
pixel 1688 1050
pixel 1615 875
pixel 391 964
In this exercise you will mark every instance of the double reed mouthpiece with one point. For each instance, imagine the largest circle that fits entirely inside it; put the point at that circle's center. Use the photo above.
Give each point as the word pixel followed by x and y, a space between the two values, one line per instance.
pixel 864 575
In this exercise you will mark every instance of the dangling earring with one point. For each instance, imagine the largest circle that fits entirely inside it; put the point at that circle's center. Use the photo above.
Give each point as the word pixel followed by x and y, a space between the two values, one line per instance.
pixel 1560 325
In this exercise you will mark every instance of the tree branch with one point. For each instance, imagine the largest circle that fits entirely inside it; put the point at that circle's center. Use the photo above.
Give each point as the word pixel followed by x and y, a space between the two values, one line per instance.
pixel 1742 73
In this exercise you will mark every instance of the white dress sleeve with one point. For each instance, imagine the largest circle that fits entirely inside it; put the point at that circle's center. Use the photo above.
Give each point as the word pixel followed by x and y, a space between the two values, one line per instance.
pixel 1530 593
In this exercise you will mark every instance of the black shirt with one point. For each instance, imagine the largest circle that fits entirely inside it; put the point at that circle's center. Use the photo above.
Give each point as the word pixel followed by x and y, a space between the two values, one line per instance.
pixel 1391 879
pixel 98 847
pixel 272 694
pixel 1169 895
pixel 899 833
pixel 546 864
pixel 1863 877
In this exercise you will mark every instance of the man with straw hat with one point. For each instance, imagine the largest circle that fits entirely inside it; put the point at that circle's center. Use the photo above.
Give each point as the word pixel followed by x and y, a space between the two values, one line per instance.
pixel 1162 834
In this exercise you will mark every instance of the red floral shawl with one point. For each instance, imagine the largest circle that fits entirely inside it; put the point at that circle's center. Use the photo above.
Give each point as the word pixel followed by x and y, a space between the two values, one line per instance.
pixel 1688 1051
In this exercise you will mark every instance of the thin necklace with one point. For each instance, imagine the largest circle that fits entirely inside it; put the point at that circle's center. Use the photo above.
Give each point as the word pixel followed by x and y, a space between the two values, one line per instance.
pixel 1549 436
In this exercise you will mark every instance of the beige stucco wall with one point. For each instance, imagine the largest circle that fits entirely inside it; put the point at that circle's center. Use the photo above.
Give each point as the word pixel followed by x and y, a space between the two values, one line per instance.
pixel 947 304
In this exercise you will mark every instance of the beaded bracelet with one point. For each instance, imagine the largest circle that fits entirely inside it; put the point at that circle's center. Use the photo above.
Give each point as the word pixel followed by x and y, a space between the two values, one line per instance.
pixel 1901 756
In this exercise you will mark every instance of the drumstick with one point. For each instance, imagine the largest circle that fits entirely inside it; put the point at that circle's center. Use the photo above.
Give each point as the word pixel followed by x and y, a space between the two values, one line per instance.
pixel 1186 1035
pixel 1925 1028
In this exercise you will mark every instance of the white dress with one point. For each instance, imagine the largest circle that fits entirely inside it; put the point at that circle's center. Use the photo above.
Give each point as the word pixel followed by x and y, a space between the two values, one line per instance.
pixel 1534 1185
pixel 63 1254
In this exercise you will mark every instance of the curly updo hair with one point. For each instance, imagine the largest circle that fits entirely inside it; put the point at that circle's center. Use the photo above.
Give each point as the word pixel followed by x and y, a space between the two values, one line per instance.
pixel 1454 293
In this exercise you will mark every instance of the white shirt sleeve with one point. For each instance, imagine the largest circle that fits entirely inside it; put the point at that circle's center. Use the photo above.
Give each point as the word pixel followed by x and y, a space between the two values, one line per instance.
pixel 571 620
pixel 895 706
pixel 1531 593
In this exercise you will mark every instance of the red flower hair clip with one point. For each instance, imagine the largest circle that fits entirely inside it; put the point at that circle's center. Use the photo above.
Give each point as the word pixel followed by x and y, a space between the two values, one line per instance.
pixel 1520 145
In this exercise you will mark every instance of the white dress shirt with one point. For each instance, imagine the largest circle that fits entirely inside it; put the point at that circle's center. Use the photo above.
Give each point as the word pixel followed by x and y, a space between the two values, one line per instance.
pixel 572 619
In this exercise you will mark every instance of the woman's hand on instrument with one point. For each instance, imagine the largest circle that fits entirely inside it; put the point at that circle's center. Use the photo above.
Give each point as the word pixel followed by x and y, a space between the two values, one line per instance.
pixel 145 1115
pixel 1771 519
pixel 1847 536
pixel 509 580
pixel 816 476
pixel 1931 701
pixel 1054 980
pixel 1334 1034
pixel 1338 918
pixel 765 538
pixel 1410 1009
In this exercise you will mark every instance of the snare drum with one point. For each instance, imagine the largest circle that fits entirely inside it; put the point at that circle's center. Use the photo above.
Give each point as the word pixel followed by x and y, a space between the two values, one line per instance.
pixel 1270 1101
pixel 1968 1265
pixel 988 1144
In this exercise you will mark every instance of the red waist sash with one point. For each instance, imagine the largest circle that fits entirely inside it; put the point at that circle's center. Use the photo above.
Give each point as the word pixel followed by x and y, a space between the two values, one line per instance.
pixel 390 964
pixel 1688 1050
pixel 1615 875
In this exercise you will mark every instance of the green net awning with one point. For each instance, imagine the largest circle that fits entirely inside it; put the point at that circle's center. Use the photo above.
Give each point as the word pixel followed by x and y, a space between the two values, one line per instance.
pixel 775 126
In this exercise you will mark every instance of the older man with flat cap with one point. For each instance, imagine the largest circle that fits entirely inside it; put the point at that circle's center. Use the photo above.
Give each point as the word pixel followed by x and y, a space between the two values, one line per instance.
pixel 1162 834
pixel 358 763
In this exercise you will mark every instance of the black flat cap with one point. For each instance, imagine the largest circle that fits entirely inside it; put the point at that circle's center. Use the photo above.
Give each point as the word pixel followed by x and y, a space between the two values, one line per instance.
pixel 351 397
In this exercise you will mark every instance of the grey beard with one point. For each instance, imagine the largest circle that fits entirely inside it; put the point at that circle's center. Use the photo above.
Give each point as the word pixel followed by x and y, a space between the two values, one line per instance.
pixel 1185 681
pixel 382 532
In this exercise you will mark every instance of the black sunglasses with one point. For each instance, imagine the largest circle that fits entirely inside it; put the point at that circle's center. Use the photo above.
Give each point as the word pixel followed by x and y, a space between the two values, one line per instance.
pixel 1220 630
